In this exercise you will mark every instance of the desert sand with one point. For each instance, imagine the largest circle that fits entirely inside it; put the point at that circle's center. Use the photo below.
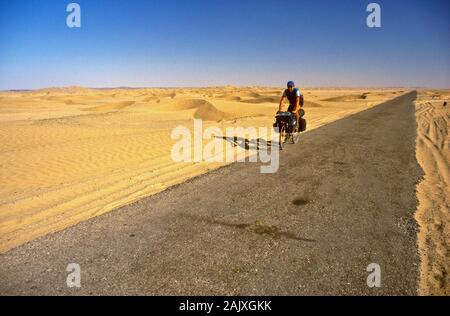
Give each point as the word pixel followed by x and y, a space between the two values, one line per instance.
pixel 433 214
pixel 70 154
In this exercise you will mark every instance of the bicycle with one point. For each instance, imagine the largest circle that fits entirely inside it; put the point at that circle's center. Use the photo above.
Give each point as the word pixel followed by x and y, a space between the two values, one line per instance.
pixel 286 125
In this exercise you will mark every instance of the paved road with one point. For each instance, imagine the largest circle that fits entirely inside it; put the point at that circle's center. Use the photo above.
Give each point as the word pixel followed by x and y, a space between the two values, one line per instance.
pixel 342 199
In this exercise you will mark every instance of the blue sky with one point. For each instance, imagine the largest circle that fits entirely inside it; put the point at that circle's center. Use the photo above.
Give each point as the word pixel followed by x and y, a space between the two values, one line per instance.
pixel 218 42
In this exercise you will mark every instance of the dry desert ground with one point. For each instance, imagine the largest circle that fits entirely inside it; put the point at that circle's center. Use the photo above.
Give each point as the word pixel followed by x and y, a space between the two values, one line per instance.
pixel 433 215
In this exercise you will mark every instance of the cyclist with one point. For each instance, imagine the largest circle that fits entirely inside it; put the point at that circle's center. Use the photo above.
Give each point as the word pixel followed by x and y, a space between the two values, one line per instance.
pixel 295 98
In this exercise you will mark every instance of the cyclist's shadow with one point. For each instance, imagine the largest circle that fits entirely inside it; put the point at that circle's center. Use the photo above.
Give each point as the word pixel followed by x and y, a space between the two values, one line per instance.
pixel 244 143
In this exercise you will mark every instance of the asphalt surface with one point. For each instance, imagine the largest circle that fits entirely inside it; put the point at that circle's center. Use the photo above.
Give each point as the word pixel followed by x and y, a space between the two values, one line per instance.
pixel 343 198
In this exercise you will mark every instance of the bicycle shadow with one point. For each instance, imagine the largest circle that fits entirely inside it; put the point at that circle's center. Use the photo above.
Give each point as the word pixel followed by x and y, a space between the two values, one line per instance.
pixel 245 143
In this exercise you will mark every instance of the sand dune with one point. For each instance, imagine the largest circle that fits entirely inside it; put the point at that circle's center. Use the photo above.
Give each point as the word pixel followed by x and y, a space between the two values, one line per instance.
pixel 433 214
pixel 257 100
pixel 182 105
pixel 310 104
pixel 68 154
pixel 346 98
pixel 152 98
pixel 229 97
pixel 208 112
pixel 203 109
pixel 110 106
pixel 249 94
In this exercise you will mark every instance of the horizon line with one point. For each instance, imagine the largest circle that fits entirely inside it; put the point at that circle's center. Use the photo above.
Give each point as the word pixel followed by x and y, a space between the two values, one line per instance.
pixel 217 86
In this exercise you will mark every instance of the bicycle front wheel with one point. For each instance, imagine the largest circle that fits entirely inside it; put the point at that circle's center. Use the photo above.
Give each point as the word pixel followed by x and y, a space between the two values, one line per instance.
pixel 282 137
